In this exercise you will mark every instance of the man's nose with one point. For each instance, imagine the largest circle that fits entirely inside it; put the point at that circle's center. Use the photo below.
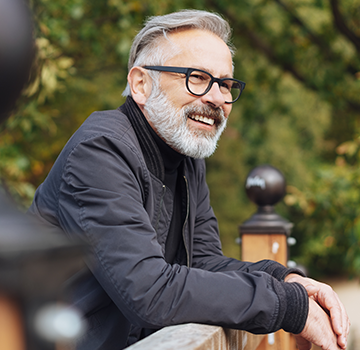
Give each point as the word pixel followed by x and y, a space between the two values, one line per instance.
pixel 214 96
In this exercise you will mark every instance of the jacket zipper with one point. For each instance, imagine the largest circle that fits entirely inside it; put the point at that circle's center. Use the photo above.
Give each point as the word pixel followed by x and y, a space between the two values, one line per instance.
pixel 185 222
pixel 161 204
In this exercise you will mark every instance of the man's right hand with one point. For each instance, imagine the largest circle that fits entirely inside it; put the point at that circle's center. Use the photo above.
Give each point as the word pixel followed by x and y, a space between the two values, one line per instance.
pixel 317 330
pixel 325 296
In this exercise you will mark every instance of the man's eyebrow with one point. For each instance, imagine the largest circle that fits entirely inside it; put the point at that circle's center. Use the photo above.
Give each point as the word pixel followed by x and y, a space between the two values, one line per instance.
pixel 207 70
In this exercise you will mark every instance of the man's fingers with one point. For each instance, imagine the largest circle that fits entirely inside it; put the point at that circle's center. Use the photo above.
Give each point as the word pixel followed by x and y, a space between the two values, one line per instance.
pixel 311 289
pixel 330 302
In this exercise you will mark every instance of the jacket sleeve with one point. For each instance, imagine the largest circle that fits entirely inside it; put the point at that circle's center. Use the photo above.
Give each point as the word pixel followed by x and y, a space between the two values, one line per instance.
pixel 101 202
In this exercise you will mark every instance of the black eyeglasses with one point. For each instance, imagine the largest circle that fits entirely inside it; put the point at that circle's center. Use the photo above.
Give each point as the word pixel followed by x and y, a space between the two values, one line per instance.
pixel 199 82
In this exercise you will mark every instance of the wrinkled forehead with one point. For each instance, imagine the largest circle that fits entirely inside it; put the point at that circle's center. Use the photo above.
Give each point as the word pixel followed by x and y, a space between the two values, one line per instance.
pixel 198 49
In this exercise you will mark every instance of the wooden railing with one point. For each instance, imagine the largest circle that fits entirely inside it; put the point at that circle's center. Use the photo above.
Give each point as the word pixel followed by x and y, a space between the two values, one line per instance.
pixel 192 336
pixel 199 337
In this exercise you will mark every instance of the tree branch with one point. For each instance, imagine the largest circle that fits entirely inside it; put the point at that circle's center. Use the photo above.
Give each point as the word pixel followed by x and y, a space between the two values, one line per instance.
pixel 269 53
pixel 341 25
pixel 324 47
pixel 255 41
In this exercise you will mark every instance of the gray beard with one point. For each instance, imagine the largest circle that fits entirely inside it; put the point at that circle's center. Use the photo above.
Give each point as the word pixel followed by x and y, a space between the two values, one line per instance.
pixel 170 124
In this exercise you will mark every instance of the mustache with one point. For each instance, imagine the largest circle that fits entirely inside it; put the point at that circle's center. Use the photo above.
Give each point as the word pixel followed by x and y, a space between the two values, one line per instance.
pixel 207 111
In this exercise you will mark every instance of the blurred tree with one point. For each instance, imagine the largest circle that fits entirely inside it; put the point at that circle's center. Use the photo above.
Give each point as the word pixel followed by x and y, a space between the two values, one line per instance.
pixel 300 59
pixel 328 215
pixel 301 62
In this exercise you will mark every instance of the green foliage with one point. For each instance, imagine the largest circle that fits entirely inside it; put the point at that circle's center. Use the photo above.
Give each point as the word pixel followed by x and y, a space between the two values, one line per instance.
pixel 300 59
pixel 329 228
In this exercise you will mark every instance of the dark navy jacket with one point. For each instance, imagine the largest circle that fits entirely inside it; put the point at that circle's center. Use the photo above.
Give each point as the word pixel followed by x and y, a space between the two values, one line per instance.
pixel 103 189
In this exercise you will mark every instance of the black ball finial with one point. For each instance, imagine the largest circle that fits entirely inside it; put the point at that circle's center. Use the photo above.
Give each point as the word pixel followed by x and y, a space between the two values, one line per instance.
pixel 17 50
pixel 265 185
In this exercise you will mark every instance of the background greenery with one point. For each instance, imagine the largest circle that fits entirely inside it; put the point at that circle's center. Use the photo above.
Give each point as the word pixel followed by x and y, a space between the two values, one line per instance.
pixel 300 110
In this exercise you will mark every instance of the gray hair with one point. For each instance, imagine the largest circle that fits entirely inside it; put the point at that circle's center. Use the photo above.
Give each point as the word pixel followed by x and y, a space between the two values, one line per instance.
pixel 146 50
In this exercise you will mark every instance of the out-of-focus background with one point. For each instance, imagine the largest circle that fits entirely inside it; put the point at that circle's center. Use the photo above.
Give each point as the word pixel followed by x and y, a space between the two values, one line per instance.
pixel 300 111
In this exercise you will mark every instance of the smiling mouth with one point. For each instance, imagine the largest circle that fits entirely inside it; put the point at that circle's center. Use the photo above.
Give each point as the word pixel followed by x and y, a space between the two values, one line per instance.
pixel 202 119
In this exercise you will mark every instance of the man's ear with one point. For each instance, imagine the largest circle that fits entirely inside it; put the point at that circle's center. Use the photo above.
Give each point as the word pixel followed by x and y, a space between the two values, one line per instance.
pixel 140 85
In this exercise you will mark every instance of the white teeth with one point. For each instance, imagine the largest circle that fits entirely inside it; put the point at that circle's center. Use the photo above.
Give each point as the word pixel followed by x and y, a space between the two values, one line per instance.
pixel 203 119
pixel 208 121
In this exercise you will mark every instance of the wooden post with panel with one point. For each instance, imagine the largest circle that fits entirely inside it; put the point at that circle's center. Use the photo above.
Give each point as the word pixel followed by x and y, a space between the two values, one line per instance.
pixel 265 234
pixel 34 264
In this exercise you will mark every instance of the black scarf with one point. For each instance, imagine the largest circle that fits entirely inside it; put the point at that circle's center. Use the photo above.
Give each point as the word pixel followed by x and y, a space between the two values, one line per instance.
pixel 148 146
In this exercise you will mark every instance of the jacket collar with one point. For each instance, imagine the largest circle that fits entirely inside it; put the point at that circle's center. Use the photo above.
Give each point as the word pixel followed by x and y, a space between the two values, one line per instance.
pixel 148 146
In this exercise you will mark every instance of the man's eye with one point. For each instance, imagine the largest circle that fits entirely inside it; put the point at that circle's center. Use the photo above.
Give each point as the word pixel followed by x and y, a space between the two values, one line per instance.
pixel 197 77
pixel 226 85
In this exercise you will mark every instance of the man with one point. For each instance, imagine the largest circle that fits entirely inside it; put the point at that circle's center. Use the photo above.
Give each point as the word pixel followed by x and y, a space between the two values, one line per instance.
pixel 131 183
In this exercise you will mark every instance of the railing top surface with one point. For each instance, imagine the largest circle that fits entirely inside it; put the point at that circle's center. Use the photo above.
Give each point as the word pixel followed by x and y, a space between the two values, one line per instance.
pixel 192 336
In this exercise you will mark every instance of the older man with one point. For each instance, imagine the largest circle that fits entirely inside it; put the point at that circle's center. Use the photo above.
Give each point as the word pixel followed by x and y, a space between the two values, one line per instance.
pixel 131 183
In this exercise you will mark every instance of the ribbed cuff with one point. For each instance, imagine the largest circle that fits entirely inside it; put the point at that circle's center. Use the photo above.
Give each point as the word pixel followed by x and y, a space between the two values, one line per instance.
pixel 297 308
pixel 279 271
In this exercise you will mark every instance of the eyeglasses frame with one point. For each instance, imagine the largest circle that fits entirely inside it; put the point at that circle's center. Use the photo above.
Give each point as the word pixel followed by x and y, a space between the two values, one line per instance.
pixel 188 71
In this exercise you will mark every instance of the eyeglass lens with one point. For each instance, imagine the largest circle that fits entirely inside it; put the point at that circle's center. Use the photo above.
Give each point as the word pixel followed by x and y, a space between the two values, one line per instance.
pixel 198 83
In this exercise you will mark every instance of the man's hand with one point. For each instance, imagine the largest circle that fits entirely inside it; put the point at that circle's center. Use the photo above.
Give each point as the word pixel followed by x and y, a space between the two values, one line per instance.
pixel 324 295
pixel 317 330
